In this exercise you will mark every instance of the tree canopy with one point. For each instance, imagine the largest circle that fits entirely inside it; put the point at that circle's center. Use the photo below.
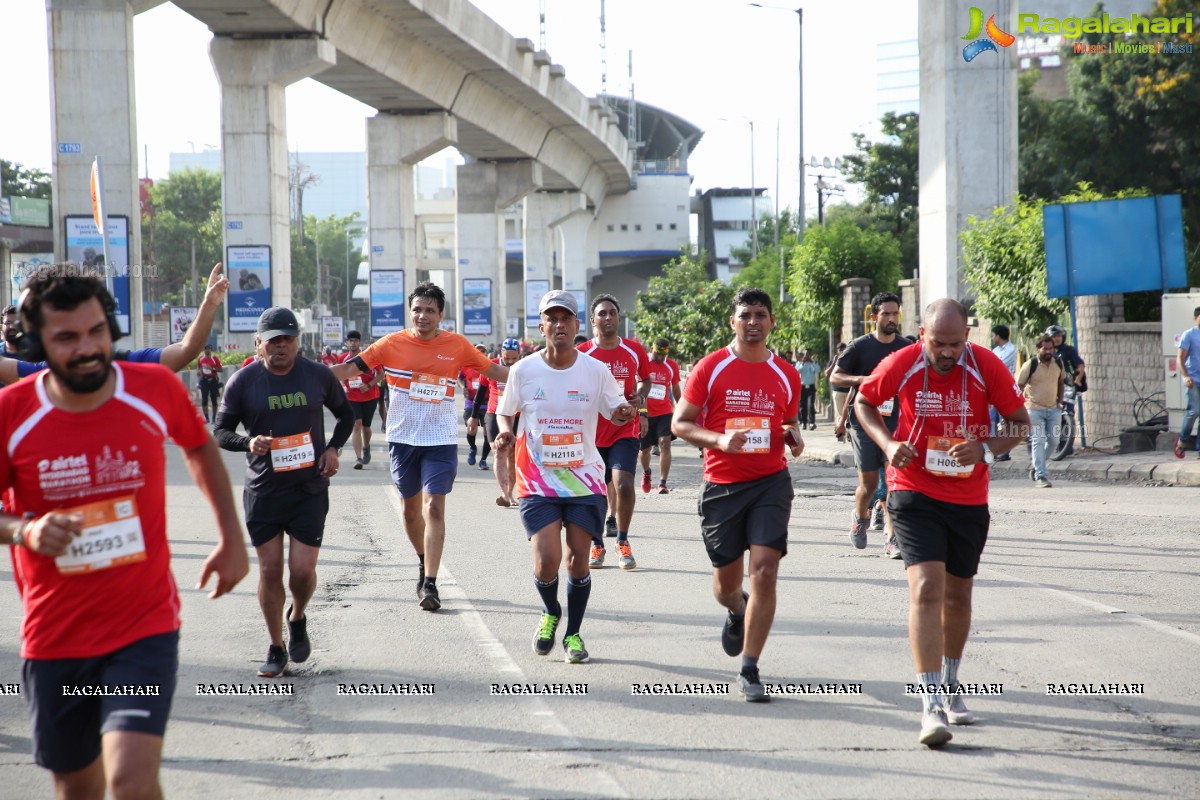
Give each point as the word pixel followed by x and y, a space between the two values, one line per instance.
pixel 184 211
pixel 829 255
pixel 17 179
pixel 686 307
pixel 889 173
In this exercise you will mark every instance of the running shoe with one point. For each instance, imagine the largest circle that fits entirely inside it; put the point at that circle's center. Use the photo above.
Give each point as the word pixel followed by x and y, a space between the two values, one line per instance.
pixel 877 519
pixel 647 482
pixel 366 459
pixel 892 549
pixel 276 663
pixel 483 463
pixel 627 560
pixel 471 457
pixel 733 635
pixel 1043 483
pixel 358 463
pixel 596 561
pixel 655 451
pixel 576 653
pixel 751 687
pixel 858 531
pixel 610 527
pixel 429 597
pixel 662 488
pixel 420 580
pixel 299 647
pixel 957 713
pixel 934 731
pixel 543 640
pixel 1178 450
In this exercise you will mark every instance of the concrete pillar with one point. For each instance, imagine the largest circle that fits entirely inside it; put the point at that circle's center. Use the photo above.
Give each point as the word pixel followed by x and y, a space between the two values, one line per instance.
pixel 544 214
pixel 910 306
pixel 254 154
pixel 92 94
pixel 856 295
pixel 395 144
pixel 968 148
pixel 485 190
pixel 579 261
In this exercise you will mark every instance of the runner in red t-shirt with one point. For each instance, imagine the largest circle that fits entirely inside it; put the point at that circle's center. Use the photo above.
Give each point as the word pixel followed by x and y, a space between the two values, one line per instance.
pixel 938 462
pixel 209 368
pixel 363 393
pixel 750 399
pixel 84 471
pixel 470 380
pixel 618 444
pixel 660 403
pixel 491 392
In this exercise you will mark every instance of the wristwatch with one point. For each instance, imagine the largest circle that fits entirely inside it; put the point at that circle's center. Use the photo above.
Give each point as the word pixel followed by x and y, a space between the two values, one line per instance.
pixel 988 458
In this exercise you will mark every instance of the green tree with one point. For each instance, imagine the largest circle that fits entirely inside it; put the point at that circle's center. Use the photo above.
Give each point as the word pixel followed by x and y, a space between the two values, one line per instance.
pixel 683 305
pixel 829 255
pixel 334 236
pixel 766 237
pixel 184 213
pixel 889 173
pixel 17 179
pixel 1004 261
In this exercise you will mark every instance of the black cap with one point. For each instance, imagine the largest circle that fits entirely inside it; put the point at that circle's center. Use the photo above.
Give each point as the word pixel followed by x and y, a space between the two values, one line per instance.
pixel 277 322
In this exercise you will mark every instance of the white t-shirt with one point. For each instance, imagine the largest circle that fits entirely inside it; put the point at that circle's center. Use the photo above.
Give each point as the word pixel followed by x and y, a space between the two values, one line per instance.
pixel 556 447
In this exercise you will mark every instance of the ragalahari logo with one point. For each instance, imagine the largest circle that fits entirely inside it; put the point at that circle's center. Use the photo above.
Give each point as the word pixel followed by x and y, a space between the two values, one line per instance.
pixel 995 36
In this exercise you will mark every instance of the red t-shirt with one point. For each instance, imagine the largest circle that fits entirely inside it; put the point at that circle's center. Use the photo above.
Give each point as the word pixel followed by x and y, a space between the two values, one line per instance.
pixel 629 364
pixel 111 458
pixel 357 390
pixel 472 378
pixel 495 391
pixel 935 412
pixel 209 366
pixel 663 378
pixel 249 360
pixel 329 359
pixel 738 395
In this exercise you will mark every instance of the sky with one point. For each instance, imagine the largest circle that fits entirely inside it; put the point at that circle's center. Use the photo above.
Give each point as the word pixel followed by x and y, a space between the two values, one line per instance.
pixel 726 66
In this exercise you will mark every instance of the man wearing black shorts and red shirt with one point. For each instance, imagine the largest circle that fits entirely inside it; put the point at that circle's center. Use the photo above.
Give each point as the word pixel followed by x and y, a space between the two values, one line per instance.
pixel 938 461
pixel 209 368
pixel 363 393
pixel 853 367
pixel 626 359
pixel 750 399
pixel 84 471
pixel 281 400
pixel 660 403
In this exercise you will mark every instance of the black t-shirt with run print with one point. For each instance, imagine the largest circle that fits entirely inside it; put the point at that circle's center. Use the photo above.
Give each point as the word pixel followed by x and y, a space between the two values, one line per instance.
pixel 284 407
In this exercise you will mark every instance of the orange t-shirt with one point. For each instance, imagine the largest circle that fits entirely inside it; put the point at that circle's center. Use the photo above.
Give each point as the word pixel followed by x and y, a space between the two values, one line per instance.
pixel 422 375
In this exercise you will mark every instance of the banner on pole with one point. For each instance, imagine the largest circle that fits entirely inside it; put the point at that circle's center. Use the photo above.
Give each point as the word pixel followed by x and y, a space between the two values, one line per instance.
pixel 249 271
pixel 387 301
pixel 181 320
pixel 85 247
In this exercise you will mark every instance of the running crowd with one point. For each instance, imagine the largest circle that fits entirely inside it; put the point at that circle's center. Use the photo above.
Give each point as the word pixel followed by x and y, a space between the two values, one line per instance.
pixel 567 426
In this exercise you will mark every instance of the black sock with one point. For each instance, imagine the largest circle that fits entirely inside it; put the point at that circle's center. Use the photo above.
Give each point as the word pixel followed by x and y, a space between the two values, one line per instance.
pixel 622 536
pixel 471 440
pixel 431 581
pixel 549 592
pixel 578 592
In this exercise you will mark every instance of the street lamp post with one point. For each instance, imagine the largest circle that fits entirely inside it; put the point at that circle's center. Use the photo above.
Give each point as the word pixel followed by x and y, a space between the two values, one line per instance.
pixel 799 106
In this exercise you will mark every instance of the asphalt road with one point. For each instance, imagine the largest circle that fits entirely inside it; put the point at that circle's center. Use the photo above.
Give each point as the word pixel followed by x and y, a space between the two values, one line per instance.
pixel 1085 583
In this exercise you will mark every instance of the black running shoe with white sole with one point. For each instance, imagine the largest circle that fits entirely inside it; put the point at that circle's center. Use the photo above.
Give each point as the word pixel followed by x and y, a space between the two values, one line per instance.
pixel 276 663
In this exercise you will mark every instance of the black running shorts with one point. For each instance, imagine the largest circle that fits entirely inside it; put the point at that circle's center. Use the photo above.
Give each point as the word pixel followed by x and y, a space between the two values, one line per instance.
pixel 297 513
pixel 934 530
pixel 734 516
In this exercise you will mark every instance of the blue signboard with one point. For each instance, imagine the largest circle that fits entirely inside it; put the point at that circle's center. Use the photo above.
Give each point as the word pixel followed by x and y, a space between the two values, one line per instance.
pixel 85 247
pixel 477 306
pixel 70 148
pixel 387 301
pixel 1110 246
pixel 249 271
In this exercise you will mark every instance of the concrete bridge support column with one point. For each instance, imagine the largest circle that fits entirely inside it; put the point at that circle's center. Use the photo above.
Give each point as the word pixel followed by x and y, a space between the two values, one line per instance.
pixel 395 143
pixel 544 212
pixel 968 137
pixel 92 93
pixel 579 260
pixel 485 190
pixel 254 154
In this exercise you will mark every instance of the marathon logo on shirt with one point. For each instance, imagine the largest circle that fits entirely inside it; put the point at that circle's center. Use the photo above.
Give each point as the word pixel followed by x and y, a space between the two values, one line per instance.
pixel 762 403
pixel 277 402
pixel 117 468
pixel 932 402
pixel 620 369
pixel 574 396
pixel 56 477
pixel 737 399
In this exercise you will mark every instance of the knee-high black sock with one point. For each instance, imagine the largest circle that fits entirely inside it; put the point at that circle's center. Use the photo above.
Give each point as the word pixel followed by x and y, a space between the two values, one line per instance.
pixel 549 592
pixel 471 440
pixel 578 592
pixel 487 448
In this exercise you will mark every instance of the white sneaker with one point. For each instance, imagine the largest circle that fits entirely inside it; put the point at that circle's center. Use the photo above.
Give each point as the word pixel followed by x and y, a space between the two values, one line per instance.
pixel 957 713
pixel 934 731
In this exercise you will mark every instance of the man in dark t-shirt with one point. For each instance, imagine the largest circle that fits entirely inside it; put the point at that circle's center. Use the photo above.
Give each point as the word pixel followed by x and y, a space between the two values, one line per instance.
pixel 279 401
pixel 853 368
